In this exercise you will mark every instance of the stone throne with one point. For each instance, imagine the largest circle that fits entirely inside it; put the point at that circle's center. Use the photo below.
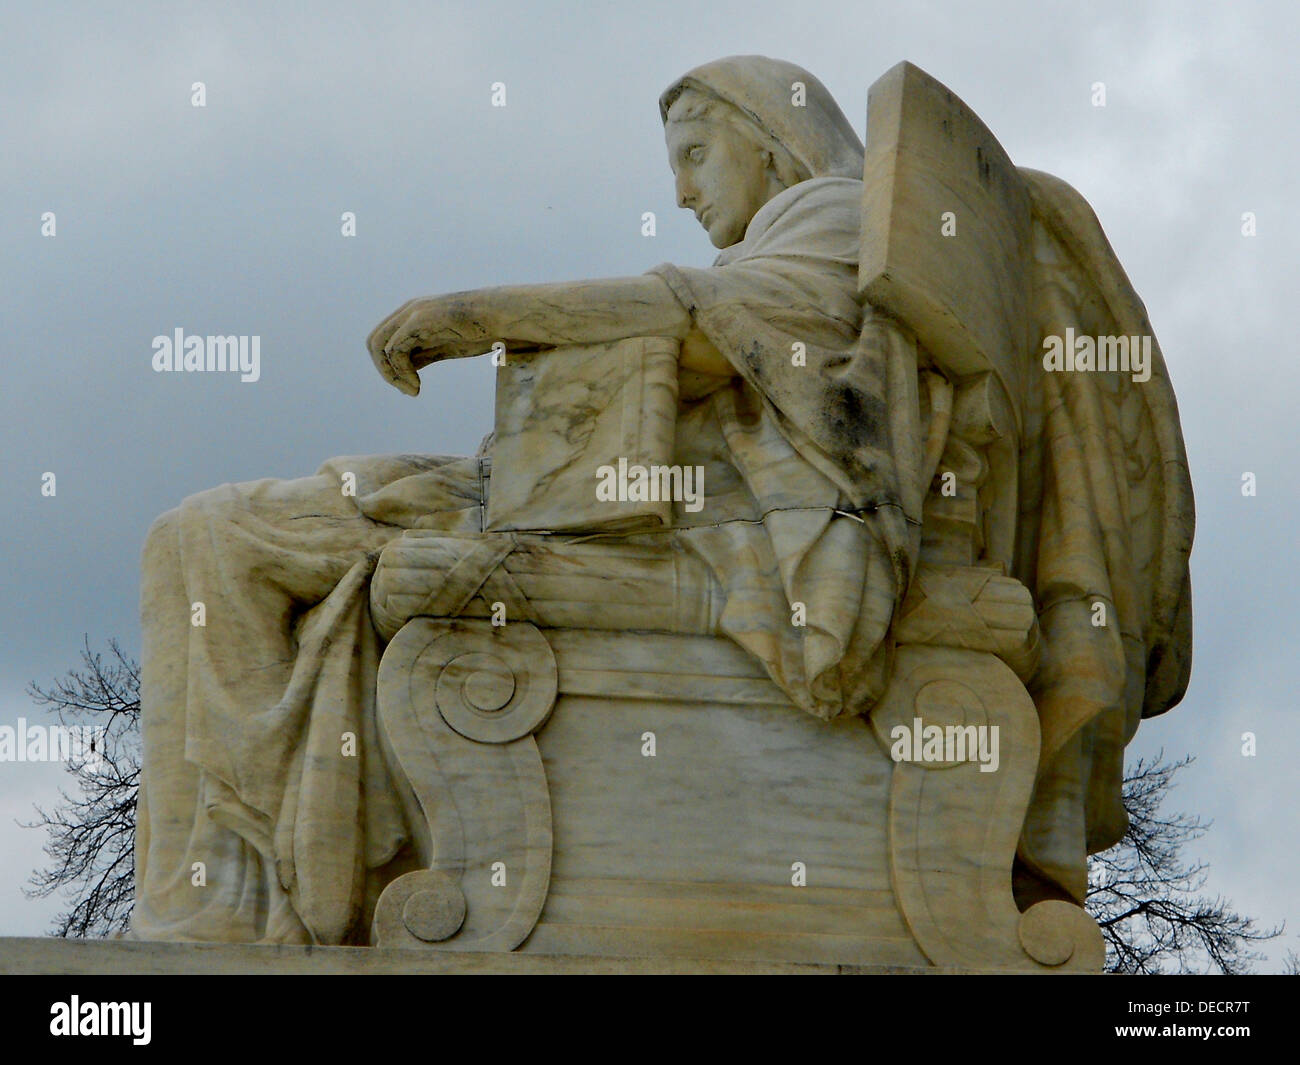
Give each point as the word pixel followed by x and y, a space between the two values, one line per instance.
pixel 756 832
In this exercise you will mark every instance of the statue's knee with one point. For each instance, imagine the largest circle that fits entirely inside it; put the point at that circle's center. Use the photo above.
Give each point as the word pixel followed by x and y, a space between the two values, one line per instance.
pixel 164 535
pixel 212 506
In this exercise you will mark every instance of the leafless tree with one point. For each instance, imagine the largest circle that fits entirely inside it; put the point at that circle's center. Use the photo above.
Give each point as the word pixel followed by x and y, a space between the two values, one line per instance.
pixel 1148 899
pixel 92 836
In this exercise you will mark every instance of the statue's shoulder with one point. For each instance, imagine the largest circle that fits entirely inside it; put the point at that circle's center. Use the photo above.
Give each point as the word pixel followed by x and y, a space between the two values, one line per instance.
pixel 821 213
pixel 817 194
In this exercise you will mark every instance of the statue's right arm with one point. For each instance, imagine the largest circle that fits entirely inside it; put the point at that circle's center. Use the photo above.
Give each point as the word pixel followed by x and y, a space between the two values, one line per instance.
pixel 529 317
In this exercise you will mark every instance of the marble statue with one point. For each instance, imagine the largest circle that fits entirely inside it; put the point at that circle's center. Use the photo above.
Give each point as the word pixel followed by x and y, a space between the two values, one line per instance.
pixel 637 677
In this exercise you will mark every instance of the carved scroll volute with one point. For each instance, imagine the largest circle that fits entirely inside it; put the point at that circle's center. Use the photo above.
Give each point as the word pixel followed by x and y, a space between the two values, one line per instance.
pixel 953 826
pixel 458 702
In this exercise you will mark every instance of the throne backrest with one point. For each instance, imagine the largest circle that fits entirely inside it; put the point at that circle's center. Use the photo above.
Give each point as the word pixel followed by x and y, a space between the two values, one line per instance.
pixel 946 229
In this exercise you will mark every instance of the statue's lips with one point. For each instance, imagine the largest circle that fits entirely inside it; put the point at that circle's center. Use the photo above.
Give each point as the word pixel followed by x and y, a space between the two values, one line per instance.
pixel 703 216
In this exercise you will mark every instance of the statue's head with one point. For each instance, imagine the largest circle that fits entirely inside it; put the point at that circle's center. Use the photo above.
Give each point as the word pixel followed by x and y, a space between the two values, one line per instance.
pixel 743 129
pixel 726 167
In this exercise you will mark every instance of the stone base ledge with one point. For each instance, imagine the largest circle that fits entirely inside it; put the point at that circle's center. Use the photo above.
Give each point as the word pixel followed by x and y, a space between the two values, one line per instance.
pixel 123 957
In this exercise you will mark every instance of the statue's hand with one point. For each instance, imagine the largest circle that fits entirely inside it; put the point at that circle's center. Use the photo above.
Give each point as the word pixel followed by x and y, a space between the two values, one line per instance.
pixel 423 331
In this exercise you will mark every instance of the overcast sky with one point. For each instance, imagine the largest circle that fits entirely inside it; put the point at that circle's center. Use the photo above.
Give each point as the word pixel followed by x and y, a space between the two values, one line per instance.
pixel 226 220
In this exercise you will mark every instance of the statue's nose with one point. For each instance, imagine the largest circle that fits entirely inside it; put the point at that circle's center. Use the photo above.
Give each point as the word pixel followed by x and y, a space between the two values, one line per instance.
pixel 685 191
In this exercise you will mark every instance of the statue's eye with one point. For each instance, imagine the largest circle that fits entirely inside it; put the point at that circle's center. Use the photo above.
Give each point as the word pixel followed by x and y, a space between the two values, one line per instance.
pixel 696 153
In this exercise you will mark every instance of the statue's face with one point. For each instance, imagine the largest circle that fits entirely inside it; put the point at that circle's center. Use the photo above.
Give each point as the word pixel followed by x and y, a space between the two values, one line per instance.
pixel 722 175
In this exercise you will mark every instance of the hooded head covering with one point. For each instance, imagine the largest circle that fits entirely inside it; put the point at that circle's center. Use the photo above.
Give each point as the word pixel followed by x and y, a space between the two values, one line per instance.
pixel 817 134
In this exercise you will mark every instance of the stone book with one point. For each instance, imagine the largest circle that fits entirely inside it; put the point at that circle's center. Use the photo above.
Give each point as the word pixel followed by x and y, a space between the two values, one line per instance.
pixel 567 416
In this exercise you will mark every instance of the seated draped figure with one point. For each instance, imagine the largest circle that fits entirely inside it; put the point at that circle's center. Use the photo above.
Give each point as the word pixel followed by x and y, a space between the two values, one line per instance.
pixel 806 434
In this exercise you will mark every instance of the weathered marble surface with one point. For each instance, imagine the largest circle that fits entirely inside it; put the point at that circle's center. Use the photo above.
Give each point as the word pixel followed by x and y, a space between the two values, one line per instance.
pixel 418 714
pixel 558 420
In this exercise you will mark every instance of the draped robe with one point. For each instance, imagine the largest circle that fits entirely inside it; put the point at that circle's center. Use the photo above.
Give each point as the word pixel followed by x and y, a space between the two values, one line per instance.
pixel 803 509
pixel 814 493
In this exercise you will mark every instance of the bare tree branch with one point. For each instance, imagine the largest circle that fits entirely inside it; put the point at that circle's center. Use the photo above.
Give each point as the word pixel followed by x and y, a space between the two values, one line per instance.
pixel 1147 899
pixel 91 841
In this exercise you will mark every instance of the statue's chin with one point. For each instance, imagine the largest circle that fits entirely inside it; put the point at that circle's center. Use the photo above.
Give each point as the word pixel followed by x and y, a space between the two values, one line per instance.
pixel 723 240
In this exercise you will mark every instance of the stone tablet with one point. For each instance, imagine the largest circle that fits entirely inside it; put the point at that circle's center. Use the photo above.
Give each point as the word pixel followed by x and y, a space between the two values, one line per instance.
pixel 945 228
pixel 562 415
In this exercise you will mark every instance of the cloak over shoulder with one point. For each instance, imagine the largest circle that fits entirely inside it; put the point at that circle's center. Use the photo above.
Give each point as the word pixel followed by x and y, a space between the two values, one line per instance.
pixel 1106 516
pixel 1106 510
pixel 818 424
